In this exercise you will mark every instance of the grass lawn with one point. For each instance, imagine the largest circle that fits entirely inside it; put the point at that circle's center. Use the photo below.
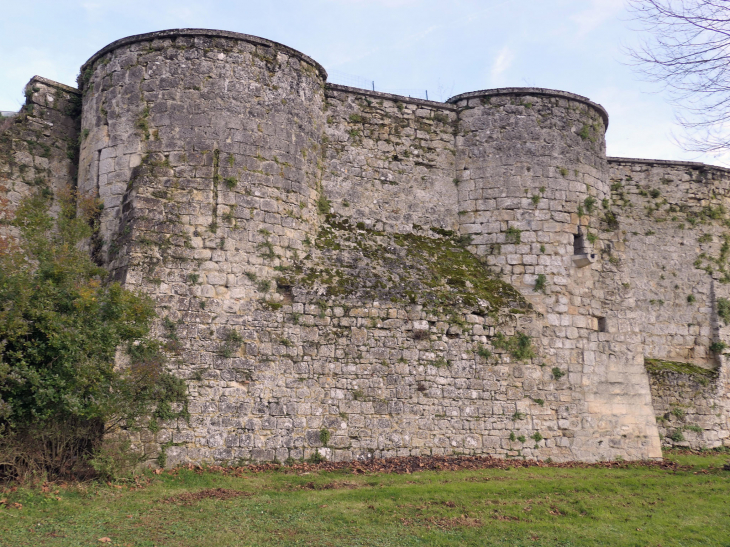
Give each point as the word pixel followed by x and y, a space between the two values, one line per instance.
pixel 532 506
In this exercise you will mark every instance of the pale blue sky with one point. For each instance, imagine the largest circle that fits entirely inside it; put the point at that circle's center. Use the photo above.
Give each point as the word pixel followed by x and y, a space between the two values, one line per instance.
pixel 445 47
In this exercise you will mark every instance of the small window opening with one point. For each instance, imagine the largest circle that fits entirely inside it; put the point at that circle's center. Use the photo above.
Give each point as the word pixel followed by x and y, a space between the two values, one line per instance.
pixel 601 324
pixel 579 244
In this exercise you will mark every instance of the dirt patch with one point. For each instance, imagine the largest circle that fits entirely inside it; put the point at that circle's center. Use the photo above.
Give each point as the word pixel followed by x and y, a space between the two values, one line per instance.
pixel 337 485
pixel 444 523
pixel 189 498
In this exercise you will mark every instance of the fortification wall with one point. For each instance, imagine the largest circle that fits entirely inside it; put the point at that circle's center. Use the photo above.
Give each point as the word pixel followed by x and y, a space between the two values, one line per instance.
pixel 673 222
pixel 359 274
pixel 39 146
pixel 277 345
pixel 390 160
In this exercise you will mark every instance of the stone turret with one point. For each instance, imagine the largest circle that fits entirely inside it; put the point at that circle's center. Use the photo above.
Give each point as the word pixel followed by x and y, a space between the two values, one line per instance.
pixel 209 137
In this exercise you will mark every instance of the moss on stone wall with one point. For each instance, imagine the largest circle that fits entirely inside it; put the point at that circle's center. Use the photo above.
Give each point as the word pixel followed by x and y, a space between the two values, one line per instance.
pixel 658 366
pixel 428 267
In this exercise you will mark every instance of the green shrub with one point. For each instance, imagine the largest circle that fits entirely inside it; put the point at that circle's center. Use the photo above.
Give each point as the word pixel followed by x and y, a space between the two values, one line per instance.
pixel 585 133
pixel 718 347
pixel 609 217
pixel 589 204
pixel 231 343
pixel 677 436
pixel 61 325
pixel 323 205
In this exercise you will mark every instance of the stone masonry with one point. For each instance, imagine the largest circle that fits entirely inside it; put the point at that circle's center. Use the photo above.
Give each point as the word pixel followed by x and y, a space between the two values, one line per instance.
pixel 355 274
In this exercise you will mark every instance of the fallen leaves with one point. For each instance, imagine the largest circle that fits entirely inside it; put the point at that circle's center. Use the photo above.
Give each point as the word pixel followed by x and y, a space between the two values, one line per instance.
pixel 412 464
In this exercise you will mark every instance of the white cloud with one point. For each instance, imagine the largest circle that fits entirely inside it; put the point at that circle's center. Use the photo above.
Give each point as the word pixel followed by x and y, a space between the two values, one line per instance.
pixel 501 65
pixel 598 12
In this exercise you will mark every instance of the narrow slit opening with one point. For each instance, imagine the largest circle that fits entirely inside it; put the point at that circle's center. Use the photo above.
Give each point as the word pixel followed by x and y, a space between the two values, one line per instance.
pixel 579 244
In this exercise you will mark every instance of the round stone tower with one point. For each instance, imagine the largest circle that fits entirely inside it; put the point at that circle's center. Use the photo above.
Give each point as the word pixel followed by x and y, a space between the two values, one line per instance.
pixel 531 173
pixel 533 194
pixel 204 140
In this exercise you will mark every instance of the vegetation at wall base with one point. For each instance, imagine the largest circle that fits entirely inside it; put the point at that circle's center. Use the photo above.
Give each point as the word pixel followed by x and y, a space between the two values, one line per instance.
pixel 454 501
pixel 63 325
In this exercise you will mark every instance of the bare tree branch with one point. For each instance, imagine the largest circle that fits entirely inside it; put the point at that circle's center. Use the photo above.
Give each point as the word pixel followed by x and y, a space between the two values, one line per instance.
pixel 687 50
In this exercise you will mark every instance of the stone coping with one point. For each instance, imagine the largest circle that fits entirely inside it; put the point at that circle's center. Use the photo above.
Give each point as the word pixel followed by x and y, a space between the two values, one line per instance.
pixel 390 96
pixel 532 91
pixel 58 85
pixel 668 163
pixel 172 33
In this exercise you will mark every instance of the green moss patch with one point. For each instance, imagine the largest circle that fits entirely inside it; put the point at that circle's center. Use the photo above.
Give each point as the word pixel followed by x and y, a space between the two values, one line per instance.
pixel 428 268
pixel 658 366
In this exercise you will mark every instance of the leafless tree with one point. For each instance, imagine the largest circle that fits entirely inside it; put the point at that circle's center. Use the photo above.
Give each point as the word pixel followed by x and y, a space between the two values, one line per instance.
pixel 687 50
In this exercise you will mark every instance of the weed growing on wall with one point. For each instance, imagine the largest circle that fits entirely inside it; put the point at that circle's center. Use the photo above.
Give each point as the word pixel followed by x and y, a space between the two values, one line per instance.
pixel 723 310
pixel 518 346
pixel 541 283
pixel 557 373
pixel 513 235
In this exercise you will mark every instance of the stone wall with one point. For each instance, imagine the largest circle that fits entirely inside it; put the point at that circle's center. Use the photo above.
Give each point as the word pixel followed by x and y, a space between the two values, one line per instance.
pixel 39 145
pixel 690 406
pixel 673 224
pixel 223 192
pixel 357 274
pixel 390 161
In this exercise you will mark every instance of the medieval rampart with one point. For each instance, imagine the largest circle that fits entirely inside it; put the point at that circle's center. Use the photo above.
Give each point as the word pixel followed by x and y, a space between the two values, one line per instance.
pixel 361 274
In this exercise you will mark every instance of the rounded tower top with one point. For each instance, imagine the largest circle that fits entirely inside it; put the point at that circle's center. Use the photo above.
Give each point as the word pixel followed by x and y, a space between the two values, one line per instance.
pixel 211 33
pixel 531 91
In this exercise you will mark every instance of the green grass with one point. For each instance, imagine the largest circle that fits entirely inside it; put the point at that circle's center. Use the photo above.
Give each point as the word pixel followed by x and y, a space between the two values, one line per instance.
pixel 534 506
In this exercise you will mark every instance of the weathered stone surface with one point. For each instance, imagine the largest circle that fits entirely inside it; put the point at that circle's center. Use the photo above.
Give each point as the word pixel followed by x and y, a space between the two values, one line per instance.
pixel 358 270
pixel 39 145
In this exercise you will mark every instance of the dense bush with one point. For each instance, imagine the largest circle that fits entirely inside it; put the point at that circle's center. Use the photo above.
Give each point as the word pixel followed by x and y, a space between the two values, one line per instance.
pixel 76 360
